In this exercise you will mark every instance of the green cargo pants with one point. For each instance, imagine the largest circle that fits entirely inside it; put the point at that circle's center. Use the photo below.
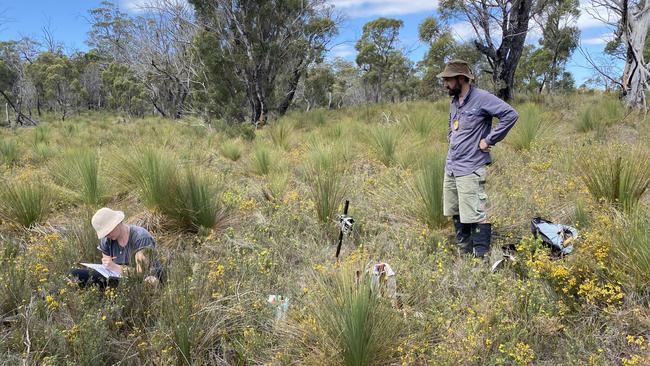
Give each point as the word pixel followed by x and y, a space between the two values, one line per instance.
pixel 466 196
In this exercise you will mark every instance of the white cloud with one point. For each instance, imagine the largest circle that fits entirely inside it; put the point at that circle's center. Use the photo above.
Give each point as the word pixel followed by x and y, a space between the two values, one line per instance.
pixel 592 17
pixel 462 31
pixel 369 8
pixel 602 39
pixel 343 50
pixel 137 6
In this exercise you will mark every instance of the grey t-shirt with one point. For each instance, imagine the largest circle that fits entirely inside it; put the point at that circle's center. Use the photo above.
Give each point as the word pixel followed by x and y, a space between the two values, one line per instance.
pixel 139 238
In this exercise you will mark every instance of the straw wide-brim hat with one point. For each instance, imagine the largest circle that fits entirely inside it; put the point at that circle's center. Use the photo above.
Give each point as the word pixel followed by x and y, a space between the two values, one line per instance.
pixel 456 68
pixel 105 220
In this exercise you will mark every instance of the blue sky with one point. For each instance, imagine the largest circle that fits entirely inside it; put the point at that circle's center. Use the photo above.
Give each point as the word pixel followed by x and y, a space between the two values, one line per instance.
pixel 66 19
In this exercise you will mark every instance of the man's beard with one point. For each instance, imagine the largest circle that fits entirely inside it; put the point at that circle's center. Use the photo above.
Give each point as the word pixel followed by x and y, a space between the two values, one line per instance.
pixel 455 91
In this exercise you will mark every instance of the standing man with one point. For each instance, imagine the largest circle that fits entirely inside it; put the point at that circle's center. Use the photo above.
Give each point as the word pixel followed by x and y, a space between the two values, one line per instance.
pixel 470 138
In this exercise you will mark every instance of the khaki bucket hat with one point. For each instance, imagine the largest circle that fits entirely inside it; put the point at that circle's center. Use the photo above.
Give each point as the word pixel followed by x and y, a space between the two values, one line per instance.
pixel 105 220
pixel 455 68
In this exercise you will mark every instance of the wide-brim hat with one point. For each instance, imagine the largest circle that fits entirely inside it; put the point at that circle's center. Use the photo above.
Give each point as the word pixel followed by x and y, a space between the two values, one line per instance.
pixel 105 220
pixel 456 68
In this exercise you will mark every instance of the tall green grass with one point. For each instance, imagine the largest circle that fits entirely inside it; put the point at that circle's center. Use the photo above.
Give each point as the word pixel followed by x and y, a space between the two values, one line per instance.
pixel 25 203
pixel 231 149
pixel 598 116
pixel 420 121
pixel 359 328
pixel 79 171
pixel 324 175
pixel 632 251
pixel 152 173
pixel 9 151
pixel 529 127
pixel 196 203
pixel 620 177
pixel 190 200
pixel 275 185
pixel 384 142
pixel 263 160
pixel 178 313
pixel 282 134
pixel 41 134
pixel 428 190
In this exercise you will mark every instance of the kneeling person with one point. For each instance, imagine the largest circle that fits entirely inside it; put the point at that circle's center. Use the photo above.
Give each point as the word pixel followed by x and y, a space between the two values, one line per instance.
pixel 119 243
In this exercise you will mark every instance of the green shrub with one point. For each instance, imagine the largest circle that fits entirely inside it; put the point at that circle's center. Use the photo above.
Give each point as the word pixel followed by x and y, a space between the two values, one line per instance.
pixel 25 203
pixel 620 177
pixel 231 149
pixel 428 190
pixel 78 171
pixel 243 130
pixel 384 142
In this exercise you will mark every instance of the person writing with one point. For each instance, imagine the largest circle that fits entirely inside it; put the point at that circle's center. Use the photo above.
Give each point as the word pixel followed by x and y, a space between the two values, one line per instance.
pixel 120 244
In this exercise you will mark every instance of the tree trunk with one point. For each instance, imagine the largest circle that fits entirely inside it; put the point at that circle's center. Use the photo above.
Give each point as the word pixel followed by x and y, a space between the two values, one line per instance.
pixel 293 85
pixel 504 60
pixel 636 75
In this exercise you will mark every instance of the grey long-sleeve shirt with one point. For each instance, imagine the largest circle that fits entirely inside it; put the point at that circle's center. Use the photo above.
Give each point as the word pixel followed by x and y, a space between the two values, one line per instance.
pixel 471 122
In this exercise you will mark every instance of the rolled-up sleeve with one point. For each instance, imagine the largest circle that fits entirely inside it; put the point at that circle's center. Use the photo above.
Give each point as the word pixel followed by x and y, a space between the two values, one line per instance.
pixel 103 246
pixel 507 116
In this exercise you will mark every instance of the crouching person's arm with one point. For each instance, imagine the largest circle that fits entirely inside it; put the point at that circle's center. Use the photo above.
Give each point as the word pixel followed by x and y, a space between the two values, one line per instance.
pixel 107 261
pixel 147 265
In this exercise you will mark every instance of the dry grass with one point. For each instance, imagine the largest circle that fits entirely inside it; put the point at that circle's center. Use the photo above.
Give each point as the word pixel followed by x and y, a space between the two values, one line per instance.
pixel 540 310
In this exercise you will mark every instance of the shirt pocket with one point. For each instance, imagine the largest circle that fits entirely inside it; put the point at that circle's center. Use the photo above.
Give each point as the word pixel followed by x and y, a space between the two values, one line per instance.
pixel 469 120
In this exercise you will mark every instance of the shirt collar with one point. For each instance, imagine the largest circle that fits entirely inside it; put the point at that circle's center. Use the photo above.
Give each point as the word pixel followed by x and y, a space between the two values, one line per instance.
pixel 469 93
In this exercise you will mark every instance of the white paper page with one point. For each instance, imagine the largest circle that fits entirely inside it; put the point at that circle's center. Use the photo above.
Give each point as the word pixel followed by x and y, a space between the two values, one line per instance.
pixel 102 270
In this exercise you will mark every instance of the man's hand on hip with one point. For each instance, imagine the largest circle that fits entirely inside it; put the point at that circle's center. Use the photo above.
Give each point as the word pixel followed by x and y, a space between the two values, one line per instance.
pixel 484 146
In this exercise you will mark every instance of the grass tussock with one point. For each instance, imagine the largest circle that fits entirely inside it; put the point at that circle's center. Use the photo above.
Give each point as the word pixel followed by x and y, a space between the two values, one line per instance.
pixel 358 328
pixel 632 251
pixel 231 149
pixel 263 160
pixel 528 129
pixel 25 203
pixel 281 134
pixel 597 116
pixel 384 142
pixel 79 171
pixel 428 190
pixel 9 151
pixel 190 200
pixel 324 175
pixel 620 177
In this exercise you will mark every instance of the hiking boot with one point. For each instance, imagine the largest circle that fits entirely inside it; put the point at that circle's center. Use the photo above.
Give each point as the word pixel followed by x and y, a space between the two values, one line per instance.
pixel 481 239
pixel 463 235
